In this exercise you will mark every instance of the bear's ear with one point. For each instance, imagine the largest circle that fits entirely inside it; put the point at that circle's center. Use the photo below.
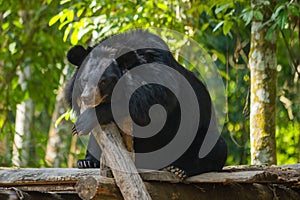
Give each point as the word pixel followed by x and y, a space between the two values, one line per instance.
pixel 77 54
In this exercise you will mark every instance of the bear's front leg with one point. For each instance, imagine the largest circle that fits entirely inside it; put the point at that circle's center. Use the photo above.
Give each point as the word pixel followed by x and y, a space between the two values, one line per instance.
pixel 101 114
pixel 92 157
pixel 91 117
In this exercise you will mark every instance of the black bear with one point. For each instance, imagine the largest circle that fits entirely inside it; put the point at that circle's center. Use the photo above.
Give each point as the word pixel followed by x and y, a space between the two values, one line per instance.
pixel 113 58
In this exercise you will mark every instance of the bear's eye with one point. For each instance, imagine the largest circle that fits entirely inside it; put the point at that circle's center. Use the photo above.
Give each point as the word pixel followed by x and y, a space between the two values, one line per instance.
pixel 103 83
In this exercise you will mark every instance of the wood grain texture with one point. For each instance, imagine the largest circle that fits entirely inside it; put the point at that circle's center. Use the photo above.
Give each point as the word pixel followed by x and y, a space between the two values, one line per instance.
pixel 120 162
pixel 235 182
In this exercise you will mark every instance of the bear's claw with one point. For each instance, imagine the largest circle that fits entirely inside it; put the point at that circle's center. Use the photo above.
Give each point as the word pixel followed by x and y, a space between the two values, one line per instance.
pixel 177 171
pixel 74 131
pixel 82 164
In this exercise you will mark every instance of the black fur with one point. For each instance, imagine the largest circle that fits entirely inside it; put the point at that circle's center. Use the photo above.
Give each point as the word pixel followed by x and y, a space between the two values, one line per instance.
pixel 145 97
pixel 77 54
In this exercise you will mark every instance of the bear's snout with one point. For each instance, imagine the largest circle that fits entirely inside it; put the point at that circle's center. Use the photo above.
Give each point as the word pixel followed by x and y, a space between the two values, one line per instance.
pixel 91 96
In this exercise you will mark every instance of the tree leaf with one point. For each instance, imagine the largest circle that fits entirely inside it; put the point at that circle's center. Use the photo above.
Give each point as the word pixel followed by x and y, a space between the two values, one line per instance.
pixel 247 15
pixel 258 15
pixel 205 26
pixel 64 1
pixel 70 15
pixel 54 19
pixel 223 7
pixel 5 26
pixel 162 6
pixel 67 32
pixel 79 12
pixel 270 32
pixel 282 20
pixel 74 37
pixel 276 13
pixel 65 116
pixel 227 26
pixel 218 26
pixel 62 25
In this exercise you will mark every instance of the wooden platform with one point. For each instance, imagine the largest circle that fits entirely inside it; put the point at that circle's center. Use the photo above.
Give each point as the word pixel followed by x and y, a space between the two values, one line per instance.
pixel 237 182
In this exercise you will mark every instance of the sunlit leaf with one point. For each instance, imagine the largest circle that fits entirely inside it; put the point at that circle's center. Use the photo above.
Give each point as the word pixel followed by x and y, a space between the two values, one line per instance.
pixel 140 9
pixel 67 32
pixel 63 15
pixel 162 6
pixel 54 19
pixel 12 47
pixel 15 83
pixel 62 25
pixel 2 121
pixel 17 24
pixel 227 26
pixel 70 15
pixel 223 8
pixel 105 29
pixel 6 14
pixel 74 37
pixel 247 16
pixel 205 26
pixel 64 1
pixel 276 13
pixel 5 26
pixel 224 75
pixel 218 26
pixel 80 11
pixel 65 115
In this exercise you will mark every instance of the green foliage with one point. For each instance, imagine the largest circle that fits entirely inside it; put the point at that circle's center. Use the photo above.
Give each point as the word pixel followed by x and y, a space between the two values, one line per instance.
pixel 39 39
pixel 95 19
pixel 288 138
pixel 27 42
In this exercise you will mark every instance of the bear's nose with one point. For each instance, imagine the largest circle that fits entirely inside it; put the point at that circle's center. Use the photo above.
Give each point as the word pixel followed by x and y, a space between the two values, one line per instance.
pixel 88 95
pixel 91 96
pixel 85 98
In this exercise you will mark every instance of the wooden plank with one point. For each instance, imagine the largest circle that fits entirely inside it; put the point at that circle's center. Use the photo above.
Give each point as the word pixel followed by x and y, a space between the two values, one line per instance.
pixel 46 175
pixel 238 177
pixel 262 182
pixel 16 176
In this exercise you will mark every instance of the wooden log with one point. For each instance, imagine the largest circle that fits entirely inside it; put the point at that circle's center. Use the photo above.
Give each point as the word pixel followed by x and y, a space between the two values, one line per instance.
pixel 118 159
pixel 127 137
pixel 120 162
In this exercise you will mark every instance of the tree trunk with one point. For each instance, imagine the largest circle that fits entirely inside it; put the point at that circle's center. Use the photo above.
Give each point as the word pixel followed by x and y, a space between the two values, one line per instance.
pixel 72 151
pixel 54 138
pixel 23 137
pixel 263 90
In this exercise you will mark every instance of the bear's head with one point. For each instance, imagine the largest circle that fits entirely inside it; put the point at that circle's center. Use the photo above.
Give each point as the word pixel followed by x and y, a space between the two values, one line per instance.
pixel 97 76
pixel 101 66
